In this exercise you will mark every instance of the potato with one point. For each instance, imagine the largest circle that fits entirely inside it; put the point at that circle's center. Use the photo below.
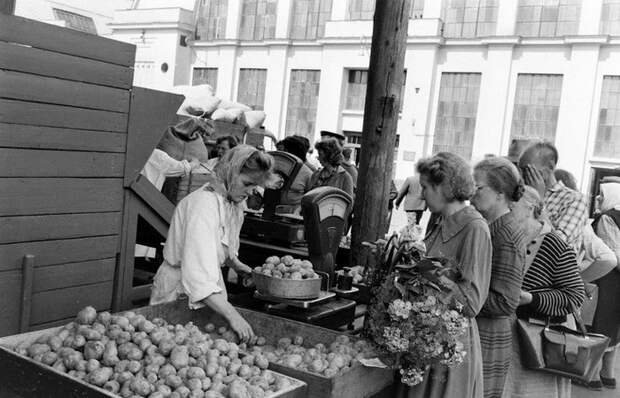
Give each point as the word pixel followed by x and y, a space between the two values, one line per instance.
pixel 166 346
pixel 213 394
pixel 60 366
pixel 157 394
pixel 89 333
pixel 211 369
pixel 260 340
pixel 164 389
pixel 298 340
pixel 92 364
pixel 86 316
pixel 230 336
pixel 159 322
pixel 146 326
pixel 134 366
pixel 196 372
pixel 159 334
pixel 112 386
pixel 93 350
pixel 155 359
pixel 224 361
pixel 73 361
pixel 100 376
pixel 256 391
pixel 206 383
pixel 110 354
pixel 152 378
pixel 179 357
pixel 261 361
pixel 209 327
pixel 183 391
pixel 121 321
pixel 174 381
pixel 284 342
pixel 135 354
pixel 182 373
pixel 124 376
pixel 245 371
pixel 193 384
pixel 140 386
pixel 49 358
pixel 221 345
pixel 198 393
pixel 38 349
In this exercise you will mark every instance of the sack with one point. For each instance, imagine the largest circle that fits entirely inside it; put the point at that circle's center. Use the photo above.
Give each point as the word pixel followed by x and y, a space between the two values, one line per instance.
pixel 184 141
pixel 559 350
pixel 588 308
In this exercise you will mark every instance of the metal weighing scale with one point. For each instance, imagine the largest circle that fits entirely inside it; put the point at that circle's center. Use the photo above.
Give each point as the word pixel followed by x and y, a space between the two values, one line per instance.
pixel 325 212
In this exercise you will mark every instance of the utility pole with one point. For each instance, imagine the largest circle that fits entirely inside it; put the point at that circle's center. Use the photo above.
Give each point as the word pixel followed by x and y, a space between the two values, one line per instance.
pixel 381 111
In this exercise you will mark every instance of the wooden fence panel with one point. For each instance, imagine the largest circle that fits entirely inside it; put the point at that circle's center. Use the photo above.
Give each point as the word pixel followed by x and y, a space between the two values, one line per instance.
pixel 41 137
pixel 73 274
pixel 47 63
pixel 10 286
pixel 32 196
pixel 44 163
pixel 38 114
pixel 58 226
pixel 27 87
pixel 42 35
pixel 53 252
pixel 62 303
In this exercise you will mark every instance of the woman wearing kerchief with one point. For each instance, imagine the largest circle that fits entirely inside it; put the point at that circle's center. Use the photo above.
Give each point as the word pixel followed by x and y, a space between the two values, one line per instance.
pixel 204 236
pixel 607 315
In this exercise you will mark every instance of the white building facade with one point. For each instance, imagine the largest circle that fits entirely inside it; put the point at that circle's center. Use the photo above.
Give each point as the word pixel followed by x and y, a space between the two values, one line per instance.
pixel 479 72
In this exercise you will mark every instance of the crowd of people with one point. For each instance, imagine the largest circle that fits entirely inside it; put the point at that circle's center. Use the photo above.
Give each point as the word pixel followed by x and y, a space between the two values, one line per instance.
pixel 519 234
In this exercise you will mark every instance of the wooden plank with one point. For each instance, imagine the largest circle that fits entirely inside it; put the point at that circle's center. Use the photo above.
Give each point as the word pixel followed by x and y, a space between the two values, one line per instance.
pixel 146 127
pixel 58 226
pixel 28 87
pixel 37 114
pixel 16 162
pixel 63 40
pixel 32 196
pixel 10 286
pixel 73 274
pixel 154 199
pixel 52 324
pixel 62 251
pixel 47 63
pixel 58 304
pixel 40 137
pixel 26 301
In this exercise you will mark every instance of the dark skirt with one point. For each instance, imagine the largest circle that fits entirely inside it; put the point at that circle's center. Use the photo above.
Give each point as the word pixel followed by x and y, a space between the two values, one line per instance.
pixel 607 315
pixel 496 344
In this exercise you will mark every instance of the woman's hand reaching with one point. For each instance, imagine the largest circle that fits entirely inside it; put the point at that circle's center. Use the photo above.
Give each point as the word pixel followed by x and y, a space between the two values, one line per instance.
pixel 242 328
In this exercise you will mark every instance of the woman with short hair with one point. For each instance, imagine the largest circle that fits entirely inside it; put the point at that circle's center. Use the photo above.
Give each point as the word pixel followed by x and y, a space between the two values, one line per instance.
pixel 498 185
pixel 552 289
pixel 332 174
pixel 204 236
pixel 460 234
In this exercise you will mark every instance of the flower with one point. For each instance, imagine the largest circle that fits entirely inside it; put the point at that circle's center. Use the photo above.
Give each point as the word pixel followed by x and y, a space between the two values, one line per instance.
pixel 400 309
pixel 412 376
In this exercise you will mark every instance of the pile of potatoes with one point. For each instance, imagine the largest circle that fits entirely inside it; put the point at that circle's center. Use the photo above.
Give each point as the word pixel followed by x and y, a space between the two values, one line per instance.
pixel 287 267
pixel 324 360
pixel 132 356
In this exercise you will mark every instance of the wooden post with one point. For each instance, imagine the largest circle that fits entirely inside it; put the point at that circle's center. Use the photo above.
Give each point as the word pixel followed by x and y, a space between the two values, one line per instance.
pixel 26 305
pixel 381 111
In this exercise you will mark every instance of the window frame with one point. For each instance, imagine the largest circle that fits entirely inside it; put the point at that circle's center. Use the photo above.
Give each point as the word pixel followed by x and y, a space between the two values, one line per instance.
pixel 260 92
pixel 312 108
pixel 544 20
pixel 75 21
pixel 254 32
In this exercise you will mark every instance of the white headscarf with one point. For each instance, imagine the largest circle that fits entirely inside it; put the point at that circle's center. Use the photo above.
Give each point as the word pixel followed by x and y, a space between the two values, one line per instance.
pixel 611 196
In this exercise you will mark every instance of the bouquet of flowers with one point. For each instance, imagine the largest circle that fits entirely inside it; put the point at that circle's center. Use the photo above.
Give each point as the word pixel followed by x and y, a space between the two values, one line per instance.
pixel 414 320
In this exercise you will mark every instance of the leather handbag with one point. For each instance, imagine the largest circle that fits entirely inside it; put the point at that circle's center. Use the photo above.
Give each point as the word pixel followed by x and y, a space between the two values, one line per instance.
pixel 560 350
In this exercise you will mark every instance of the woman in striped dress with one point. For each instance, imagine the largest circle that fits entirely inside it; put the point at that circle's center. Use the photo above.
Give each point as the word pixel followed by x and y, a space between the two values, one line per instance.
pixel 551 289
pixel 498 185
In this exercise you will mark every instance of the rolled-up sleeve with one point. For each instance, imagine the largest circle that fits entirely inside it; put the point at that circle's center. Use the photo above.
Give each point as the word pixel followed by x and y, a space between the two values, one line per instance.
pixel 200 266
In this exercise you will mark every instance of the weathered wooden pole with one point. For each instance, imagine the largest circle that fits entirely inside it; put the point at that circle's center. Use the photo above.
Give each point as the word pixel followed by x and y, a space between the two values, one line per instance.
pixel 381 111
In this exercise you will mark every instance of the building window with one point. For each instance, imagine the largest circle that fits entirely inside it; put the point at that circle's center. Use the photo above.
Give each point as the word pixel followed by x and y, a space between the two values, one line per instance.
pixel 356 90
pixel 258 20
pixel 537 105
pixel 251 90
pixel 205 76
pixel 303 95
pixel 309 16
pixel 417 9
pixel 76 21
pixel 212 19
pixel 360 10
pixel 456 113
pixel 607 143
pixel 469 18
pixel 548 18
pixel 610 18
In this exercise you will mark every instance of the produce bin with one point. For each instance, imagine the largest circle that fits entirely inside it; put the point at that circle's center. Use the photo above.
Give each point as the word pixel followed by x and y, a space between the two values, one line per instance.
pixel 22 377
pixel 357 382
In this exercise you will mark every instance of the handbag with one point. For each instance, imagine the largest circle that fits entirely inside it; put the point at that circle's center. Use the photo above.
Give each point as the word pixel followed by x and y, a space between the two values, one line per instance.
pixel 559 350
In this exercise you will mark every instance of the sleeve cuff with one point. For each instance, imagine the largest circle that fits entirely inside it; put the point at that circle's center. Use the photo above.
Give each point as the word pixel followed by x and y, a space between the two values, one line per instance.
pixel 535 301
pixel 196 296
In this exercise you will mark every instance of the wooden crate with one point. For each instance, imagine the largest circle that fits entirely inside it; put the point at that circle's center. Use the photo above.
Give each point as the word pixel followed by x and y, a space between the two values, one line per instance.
pixel 357 382
pixel 22 377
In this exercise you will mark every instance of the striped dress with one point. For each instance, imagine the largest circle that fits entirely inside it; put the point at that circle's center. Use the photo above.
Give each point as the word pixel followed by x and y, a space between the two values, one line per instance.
pixel 497 315
pixel 554 282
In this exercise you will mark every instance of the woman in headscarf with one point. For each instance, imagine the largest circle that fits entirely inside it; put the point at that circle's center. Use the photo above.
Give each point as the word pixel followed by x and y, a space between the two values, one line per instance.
pixel 204 236
pixel 607 315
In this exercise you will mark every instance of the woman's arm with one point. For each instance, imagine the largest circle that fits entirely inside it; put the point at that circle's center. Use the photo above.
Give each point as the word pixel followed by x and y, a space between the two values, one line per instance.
pixel 506 278
pixel 475 265
pixel 218 303
pixel 608 231
pixel 568 291
pixel 402 192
